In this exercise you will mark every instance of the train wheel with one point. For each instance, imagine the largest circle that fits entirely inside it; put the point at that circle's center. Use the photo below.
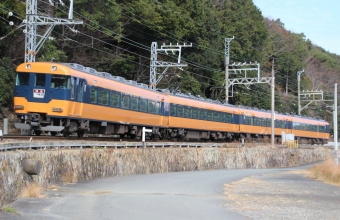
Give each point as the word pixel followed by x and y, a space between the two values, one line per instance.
pixel 37 132
pixel 66 133
pixel 80 133
pixel 53 133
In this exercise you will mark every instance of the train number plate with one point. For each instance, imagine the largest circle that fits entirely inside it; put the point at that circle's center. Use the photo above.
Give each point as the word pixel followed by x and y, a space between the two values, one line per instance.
pixel 38 93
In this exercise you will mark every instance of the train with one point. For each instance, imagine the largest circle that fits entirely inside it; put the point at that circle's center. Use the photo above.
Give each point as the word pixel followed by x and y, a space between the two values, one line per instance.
pixel 69 98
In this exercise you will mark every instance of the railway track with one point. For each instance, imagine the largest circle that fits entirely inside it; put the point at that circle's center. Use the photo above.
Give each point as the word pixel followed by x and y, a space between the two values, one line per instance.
pixel 15 142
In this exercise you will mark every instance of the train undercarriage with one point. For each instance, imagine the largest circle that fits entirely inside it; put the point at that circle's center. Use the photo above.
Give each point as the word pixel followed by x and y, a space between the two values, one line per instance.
pixel 40 123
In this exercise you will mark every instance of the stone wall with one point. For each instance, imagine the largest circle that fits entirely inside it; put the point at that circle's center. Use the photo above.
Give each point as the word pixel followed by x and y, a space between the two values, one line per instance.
pixel 72 165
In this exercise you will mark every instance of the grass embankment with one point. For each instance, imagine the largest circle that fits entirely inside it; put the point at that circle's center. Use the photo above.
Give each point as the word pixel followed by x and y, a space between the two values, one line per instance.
pixel 327 172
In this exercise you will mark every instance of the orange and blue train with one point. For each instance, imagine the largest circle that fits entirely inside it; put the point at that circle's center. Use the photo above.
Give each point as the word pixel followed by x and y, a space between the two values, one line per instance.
pixel 69 98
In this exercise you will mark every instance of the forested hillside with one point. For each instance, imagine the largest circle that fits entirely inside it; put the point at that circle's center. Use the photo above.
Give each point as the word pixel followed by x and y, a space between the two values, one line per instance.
pixel 116 37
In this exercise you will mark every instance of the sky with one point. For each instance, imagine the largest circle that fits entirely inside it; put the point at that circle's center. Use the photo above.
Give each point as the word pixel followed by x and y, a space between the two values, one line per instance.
pixel 319 20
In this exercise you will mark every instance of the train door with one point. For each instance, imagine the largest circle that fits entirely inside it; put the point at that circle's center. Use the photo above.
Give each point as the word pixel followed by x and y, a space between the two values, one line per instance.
pixel 72 96
pixel 80 84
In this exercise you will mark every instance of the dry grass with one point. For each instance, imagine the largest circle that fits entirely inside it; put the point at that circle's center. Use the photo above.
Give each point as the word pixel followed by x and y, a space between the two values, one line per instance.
pixel 68 177
pixel 52 187
pixel 32 190
pixel 326 172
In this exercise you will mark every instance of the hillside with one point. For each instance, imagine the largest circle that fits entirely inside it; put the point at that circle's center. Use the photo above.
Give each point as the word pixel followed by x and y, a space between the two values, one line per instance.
pixel 116 37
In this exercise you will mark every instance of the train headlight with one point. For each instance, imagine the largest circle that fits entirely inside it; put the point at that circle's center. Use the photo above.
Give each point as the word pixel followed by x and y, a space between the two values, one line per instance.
pixel 18 107
pixel 54 68
pixel 56 109
pixel 28 66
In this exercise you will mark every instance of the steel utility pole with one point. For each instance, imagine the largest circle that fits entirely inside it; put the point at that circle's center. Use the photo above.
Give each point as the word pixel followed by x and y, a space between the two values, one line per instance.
pixel 273 105
pixel 226 53
pixel 154 63
pixel 33 20
pixel 335 123
pixel 298 78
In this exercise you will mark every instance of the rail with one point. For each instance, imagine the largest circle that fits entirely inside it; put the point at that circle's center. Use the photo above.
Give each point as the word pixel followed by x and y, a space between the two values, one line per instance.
pixel 45 145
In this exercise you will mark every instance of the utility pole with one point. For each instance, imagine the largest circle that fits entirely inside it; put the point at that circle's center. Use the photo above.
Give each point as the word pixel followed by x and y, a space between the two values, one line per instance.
pixel 298 78
pixel 33 20
pixel 273 105
pixel 226 53
pixel 335 123
pixel 154 63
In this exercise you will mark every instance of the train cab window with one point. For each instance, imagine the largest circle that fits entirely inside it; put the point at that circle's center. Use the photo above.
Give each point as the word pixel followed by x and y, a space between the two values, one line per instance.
pixel 39 80
pixel 203 114
pixel 125 101
pixel 114 99
pixel 173 110
pixel 151 107
pixel 143 106
pixel 157 108
pixel 195 113
pixel 180 110
pixel 93 95
pixel 22 79
pixel 209 115
pixel 188 112
pixel 103 97
pixel 134 103
pixel 60 82
pixel 216 116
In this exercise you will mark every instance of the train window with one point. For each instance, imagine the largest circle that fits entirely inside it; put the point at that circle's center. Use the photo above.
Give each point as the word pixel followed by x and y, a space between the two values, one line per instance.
pixel 93 96
pixel 60 82
pixel 322 128
pixel 103 97
pixel 125 101
pixel 157 108
pixel 227 118
pixel 180 110
pixel 173 110
pixel 216 116
pixel 195 113
pixel 134 103
pixel 188 112
pixel 151 107
pixel 114 99
pixel 203 114
pixel 209 115
pixel 22 79
pixel 39 80
pixel 248 120
pixel 222 117
pixel 143 106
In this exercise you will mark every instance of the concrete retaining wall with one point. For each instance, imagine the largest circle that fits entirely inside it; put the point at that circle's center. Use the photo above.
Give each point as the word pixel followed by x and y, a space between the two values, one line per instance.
pixel 64 166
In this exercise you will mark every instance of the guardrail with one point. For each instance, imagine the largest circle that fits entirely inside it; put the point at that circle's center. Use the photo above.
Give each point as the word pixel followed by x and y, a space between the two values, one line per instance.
pixel 44 145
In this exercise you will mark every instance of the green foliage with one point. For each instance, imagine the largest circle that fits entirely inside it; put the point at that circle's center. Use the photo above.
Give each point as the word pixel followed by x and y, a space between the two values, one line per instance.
pixel 50 52
pixel 7 81
pixel 117 34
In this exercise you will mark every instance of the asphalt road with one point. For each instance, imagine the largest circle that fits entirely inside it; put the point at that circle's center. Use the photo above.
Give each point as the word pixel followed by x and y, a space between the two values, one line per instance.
pixel 180 195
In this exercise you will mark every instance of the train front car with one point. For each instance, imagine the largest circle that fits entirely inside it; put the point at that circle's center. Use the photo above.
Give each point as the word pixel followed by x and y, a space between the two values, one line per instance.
pixel 41 96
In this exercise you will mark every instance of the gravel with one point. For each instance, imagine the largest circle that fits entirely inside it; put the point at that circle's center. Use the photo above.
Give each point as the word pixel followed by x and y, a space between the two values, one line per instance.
pixel 283 195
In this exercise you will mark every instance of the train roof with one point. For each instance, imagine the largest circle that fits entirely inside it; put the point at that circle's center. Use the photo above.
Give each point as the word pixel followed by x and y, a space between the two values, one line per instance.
pixel 120 79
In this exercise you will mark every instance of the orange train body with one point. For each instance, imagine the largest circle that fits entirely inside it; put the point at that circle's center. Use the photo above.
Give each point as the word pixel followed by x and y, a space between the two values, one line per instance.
pixel 69 98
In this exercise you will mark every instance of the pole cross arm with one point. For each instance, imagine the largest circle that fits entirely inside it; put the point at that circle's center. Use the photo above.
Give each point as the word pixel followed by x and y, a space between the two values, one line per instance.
pixel 43 20
pixel 167 64
pixel 246 81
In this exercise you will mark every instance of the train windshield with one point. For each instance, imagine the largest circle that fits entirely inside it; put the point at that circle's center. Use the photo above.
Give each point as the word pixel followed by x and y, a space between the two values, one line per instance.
pixel 60 82
pixel 22 79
